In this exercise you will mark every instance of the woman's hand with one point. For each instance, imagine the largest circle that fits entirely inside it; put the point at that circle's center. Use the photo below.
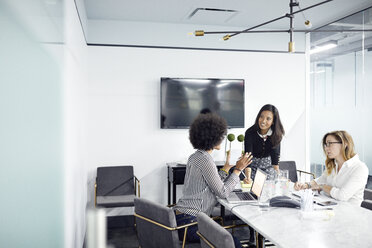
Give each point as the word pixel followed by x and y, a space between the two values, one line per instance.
pixel 248 172
pixel 247 180
pixel 299 186
pixel 243 162
pixel 326 188
pixel 313 186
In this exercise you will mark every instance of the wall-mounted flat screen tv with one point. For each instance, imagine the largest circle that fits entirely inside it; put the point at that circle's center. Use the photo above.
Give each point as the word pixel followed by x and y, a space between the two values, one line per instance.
pixel 182 99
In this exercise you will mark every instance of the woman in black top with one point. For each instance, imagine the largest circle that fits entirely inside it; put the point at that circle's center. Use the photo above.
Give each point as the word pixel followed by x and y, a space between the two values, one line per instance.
pixel 263 140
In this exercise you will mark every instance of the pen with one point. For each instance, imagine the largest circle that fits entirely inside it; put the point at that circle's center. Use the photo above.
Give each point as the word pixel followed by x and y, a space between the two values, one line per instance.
pixel 323 209
pixel 243 173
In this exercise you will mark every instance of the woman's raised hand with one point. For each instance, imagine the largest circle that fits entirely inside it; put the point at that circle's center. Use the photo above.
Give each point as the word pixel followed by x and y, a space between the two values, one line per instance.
pixel 244 161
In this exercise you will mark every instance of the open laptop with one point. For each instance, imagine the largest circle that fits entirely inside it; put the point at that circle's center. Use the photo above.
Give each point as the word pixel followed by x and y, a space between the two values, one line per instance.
pixel 255 192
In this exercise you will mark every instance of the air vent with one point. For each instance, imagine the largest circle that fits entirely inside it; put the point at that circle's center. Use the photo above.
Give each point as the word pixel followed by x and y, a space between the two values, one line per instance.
pixel 210 15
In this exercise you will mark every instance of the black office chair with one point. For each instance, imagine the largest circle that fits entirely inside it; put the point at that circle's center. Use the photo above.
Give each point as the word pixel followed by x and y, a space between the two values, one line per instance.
pixel 292 170
pixel 368 194
pixel 116 186
pixel 367 203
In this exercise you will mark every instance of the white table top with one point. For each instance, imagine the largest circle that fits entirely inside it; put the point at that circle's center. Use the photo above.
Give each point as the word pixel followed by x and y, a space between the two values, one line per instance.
pixel 351 226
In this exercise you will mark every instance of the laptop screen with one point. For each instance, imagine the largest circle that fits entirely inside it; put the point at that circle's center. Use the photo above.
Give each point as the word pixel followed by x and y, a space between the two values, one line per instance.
pixel 258 183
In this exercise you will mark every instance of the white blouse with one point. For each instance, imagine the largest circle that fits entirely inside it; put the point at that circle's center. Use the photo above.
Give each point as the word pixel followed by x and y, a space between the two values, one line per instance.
pixel 349 183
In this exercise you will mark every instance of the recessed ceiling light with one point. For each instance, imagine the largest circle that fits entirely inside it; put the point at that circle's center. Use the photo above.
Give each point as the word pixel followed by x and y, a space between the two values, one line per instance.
pixel 323 47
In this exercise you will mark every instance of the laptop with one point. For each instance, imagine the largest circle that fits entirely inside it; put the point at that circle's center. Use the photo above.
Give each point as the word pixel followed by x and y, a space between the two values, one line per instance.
pixel 253 194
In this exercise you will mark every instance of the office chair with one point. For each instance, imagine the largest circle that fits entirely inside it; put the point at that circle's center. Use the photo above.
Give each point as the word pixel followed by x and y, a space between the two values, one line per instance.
pixel 368 194
pixel 212 234
pixel 116 186
pixel 367 202
pixel 157 226
pixel 292 170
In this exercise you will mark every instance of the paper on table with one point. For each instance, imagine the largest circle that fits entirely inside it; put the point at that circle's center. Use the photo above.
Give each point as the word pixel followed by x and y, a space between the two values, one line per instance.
pixel 307 199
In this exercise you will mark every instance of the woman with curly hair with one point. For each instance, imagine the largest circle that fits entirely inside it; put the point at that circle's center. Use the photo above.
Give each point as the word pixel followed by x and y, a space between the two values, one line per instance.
pixel 203 182
pixel 345 176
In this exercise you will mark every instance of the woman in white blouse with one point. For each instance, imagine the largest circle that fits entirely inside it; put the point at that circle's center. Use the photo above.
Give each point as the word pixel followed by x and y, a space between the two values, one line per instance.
pixel 345 176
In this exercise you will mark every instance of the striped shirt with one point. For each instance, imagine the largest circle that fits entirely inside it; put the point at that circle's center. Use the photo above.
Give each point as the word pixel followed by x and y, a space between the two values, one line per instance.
pixel 203 183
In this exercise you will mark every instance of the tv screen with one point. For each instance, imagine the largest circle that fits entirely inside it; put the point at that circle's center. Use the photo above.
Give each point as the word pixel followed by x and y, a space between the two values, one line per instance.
pixel 182 99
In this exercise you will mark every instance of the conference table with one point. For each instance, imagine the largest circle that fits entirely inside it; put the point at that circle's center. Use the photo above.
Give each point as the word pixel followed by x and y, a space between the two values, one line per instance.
pixel 344 226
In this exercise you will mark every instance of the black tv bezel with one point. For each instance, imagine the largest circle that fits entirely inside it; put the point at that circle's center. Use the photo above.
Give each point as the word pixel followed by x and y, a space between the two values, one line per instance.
pixel 187 127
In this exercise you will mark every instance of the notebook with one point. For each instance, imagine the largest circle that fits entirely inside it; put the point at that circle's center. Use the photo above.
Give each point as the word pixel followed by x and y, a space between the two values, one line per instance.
pixel 255 192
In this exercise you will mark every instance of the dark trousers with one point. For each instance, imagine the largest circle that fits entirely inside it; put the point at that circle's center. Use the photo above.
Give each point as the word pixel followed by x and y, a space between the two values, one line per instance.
pixel 192 236
pixel 183 219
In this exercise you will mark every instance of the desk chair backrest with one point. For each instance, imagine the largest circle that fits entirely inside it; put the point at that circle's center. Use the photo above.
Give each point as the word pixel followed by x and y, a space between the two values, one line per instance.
pixel 212 234
pixel 292 170
pixel 115 180
pixel 368 194
pixel 367 202
pixel 151 234
pixel 115 186
pixel 291 167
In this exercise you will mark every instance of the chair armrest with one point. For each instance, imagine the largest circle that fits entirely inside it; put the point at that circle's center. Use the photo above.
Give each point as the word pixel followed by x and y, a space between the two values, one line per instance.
pixel 137 185
pixel 234 226
pixel 204 239
pixel 309 173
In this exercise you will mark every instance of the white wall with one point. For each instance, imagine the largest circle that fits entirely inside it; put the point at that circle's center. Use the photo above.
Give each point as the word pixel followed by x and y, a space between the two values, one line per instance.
pixel 75 180
pixel 122 116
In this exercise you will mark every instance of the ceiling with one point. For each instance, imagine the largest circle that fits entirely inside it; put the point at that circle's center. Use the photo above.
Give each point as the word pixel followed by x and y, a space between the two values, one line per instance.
pixel 234 13
pixel 176 18
pixel 218 15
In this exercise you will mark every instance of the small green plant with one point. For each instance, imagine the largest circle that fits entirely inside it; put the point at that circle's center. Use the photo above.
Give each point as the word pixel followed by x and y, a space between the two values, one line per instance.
pixel 230 137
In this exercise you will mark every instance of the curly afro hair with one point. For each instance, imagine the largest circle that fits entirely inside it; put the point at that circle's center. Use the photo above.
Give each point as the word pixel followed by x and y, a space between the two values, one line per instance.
pixel 207 131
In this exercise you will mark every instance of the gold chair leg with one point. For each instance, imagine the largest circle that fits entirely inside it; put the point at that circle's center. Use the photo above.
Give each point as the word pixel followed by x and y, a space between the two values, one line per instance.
pixel 184 238
pixel 95 195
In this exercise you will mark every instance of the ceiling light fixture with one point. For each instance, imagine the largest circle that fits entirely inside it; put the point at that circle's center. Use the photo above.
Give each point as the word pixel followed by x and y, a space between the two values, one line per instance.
pixel 323 47
pixel 290 15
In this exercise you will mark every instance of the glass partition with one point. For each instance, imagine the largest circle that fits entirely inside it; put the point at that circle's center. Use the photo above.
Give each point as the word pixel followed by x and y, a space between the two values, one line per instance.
pixel 31 166
pixel 341 86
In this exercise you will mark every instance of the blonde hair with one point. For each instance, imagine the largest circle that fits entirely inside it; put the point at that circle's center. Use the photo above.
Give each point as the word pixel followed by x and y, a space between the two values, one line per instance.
pixel 347 148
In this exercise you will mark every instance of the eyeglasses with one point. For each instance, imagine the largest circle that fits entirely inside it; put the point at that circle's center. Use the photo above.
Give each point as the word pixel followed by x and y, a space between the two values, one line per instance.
pixel 328 144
